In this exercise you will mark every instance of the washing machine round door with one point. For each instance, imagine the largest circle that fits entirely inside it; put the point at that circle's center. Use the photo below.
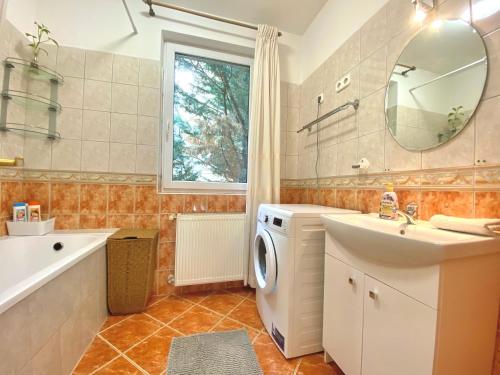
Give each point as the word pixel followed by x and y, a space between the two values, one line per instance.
pixel 264 260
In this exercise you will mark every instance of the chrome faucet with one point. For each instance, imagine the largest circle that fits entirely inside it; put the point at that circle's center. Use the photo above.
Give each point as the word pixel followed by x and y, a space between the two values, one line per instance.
pixel 409 219
pixel 410 214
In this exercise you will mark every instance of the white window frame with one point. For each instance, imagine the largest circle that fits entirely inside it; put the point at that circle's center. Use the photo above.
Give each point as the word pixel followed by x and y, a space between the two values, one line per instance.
pixel 166 146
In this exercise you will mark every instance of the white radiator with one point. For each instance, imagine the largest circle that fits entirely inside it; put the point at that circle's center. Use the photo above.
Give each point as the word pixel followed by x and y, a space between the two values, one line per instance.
pixel 209 248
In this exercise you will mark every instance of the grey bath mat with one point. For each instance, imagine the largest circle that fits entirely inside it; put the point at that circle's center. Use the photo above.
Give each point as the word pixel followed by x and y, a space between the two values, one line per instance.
pixel 220 353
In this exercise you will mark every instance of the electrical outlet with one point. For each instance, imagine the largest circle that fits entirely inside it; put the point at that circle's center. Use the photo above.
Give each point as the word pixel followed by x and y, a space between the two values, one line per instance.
pixel 321 98
pixel 343 83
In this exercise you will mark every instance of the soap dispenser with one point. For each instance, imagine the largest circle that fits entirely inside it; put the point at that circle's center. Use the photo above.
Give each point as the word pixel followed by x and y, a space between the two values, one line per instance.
pixel 389 204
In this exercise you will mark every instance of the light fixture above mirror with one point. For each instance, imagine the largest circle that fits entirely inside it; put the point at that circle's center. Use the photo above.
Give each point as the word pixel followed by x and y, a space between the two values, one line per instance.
pixel 422 7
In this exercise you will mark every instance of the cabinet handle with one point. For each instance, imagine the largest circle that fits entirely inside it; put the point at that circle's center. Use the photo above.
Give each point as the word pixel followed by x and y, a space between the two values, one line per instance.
pixel 352 281
pixel 372 294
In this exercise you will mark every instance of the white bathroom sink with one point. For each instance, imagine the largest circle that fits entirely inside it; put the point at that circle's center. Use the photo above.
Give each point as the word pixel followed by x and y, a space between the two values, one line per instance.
pixel 395 242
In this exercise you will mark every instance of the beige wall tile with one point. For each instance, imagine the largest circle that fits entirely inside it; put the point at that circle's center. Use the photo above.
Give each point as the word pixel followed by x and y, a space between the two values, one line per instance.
pixel 147 130
pixel 492 42
pixel 71 93
pixel 147 159
pixel 123 128
pixel 48 360
pixel 70 343
pixel 347 156
pixel 372 73
pixel 349 54
pixel 488 131
pixel 96 125
pixel 399 159
pixel 458 152
pixel 372 147
pixel 293 95
pixel 126 69
pixel 292 119
pixel 122 157
pixel 485 21
pixel 283 118
pixel 284 93
pixel 291 166
pixel 149 74
pixel 69 123
pixel 149 101
pixel 37 153
pixel 400 17
pixel 328 161
pixel 67 154
pixel 95 156
pixel 292 147
pixel 98 65
pixel 374 33
pixel 455 9
pixel 124 98
pixel 97 95
pixel 15 339
pixel 371 114
pixel 71 62
pixel 12 145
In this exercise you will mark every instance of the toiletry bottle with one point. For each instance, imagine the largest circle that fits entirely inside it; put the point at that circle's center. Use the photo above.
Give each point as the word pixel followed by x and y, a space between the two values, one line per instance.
pixel 34 211
pixel 389 204
pixel 20 212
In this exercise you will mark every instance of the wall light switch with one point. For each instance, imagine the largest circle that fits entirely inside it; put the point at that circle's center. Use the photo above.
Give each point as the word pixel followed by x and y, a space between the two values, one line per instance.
pixel 343 83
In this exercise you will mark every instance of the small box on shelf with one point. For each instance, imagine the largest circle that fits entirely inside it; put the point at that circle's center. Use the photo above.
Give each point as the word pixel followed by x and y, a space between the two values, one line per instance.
pixel 30 228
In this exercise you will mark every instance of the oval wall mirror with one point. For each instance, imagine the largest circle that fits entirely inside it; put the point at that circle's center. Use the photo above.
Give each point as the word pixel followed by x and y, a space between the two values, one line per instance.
pixel 436 85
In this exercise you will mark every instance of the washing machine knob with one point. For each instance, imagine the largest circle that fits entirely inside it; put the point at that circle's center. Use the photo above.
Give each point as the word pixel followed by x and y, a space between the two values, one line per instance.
pixel 266 219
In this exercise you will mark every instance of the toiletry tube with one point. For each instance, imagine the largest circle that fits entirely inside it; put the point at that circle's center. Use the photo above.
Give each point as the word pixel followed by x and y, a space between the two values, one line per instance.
pixel 20 211
pixel 34 211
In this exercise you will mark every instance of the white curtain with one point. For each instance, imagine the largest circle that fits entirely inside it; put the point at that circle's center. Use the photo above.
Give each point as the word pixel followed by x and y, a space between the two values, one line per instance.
pixel 264 148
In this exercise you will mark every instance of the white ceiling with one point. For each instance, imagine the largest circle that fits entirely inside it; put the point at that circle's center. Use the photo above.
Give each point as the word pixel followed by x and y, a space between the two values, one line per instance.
pixel 293 16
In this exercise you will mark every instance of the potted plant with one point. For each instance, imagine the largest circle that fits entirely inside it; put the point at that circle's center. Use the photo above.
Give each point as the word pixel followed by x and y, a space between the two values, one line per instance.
pixel 42 36
pixel 456 119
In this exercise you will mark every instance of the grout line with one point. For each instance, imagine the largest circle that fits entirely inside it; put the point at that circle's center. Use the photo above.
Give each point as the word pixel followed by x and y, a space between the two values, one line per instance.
pixel 128 359
pixel 104 365
pixel 163 325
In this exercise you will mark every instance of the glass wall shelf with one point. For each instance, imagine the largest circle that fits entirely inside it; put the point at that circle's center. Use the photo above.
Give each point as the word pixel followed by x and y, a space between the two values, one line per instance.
pixel 31 101
pixel 34 130
pixel 34 71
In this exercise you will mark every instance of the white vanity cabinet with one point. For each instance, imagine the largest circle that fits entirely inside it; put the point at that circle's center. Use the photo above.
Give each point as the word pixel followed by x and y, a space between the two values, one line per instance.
pixel 343 314
pixel 398 332
pixel 386 320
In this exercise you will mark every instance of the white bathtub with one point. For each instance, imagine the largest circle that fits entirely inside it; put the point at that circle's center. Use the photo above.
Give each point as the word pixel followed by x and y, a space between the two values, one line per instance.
pixel 52 302
pixel 27 263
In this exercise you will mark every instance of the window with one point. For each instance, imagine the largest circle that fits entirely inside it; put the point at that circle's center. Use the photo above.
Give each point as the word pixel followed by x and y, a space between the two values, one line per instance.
pixel 206 119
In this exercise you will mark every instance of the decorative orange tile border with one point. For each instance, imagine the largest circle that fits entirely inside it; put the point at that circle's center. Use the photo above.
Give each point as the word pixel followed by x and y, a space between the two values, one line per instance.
pixel 464 192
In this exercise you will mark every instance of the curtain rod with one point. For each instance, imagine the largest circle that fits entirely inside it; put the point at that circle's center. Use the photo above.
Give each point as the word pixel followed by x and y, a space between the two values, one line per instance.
pixel 197 13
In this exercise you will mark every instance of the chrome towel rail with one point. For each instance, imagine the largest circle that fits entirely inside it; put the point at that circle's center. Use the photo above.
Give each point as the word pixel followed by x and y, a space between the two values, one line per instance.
pixel 354 104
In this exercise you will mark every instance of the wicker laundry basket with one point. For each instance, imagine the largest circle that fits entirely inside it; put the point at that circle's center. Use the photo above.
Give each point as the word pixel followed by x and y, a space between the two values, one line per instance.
pixel 131 265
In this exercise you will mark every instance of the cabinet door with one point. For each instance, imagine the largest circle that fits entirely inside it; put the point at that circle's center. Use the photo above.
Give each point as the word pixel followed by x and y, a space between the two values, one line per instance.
pixel 398 332
pixel 343 315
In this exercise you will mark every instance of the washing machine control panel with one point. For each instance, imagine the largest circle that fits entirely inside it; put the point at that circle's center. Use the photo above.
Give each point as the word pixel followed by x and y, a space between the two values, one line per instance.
pixel 274 222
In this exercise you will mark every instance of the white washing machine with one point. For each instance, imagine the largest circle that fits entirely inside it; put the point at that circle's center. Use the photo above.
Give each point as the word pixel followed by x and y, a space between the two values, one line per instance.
pixel 289 257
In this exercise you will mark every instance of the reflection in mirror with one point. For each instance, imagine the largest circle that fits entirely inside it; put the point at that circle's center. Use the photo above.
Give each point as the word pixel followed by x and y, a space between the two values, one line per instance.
pixel 436 85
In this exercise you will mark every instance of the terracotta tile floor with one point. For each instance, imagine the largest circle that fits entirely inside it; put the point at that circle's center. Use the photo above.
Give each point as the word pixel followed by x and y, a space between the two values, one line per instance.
pixel 139 343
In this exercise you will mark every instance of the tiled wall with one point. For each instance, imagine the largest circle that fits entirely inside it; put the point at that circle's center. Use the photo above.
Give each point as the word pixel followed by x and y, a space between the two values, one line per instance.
pixel 90 201
pixel 109 121
pixel 369 56
pixel 102 172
